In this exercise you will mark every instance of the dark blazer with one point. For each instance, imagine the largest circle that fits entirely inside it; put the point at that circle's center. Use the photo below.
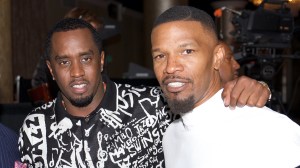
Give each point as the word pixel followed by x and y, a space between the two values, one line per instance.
pixel 9 152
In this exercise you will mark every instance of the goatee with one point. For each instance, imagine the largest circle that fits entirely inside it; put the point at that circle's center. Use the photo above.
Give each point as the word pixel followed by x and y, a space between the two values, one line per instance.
pixel 82 102
pixel 181 106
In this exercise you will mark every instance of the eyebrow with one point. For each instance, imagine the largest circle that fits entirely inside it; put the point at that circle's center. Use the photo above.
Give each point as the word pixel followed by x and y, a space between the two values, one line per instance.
pixel 156 50
pixel 87 52
pixel 185 45
pixel 58 57
pixel 180 46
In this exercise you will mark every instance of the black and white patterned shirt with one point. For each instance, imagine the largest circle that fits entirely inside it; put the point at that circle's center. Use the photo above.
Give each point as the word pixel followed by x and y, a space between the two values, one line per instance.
pixel 125 130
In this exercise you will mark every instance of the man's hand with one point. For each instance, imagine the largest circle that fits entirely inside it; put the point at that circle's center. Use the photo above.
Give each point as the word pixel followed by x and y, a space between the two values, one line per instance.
pixel 245 91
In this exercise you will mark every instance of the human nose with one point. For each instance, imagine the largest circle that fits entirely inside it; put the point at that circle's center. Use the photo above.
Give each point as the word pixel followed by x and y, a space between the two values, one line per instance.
pixel 173 64
pixel 77 69
pixel 236 65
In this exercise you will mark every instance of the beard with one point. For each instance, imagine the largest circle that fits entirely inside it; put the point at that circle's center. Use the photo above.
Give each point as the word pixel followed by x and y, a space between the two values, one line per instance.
pixel 181 106
pixel 81 102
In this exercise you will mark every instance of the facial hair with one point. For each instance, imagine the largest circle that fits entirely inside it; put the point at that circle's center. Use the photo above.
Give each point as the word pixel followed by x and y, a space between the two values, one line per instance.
pixel 181 106
pixel 81 102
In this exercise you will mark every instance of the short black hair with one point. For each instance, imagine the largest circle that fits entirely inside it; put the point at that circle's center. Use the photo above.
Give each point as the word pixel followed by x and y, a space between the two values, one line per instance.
pixel 68 24
pixel 186 13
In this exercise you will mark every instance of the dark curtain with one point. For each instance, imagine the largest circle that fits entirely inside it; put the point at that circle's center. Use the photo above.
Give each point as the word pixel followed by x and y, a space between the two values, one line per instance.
pixel 29 28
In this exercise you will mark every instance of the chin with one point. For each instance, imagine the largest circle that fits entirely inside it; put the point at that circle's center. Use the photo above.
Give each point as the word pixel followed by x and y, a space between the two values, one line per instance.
pixel 179 106
pixel 82 101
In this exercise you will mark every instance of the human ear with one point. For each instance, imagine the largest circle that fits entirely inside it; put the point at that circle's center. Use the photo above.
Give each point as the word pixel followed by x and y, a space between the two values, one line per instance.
pixel 219 55
pixel 102 60
pixel 50 69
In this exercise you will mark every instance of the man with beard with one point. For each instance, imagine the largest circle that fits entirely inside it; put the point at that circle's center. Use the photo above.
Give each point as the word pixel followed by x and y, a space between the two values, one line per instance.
pixel 95 122
pixel 187 58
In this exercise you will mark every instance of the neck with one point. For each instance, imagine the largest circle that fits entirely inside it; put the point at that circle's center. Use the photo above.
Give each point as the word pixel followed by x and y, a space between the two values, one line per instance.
pixel 214 86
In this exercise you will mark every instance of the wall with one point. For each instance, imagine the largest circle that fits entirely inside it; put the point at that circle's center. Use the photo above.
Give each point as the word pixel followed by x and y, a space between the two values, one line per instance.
pixel 32 19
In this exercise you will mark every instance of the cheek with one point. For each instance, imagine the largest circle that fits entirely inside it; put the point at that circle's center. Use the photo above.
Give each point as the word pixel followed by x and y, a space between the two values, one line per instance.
pixel 226 73
pixel 62 74
pixel 158 70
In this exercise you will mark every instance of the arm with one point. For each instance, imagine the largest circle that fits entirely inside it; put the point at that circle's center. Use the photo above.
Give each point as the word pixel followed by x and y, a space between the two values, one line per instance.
pixel 24 144
pixel 245 91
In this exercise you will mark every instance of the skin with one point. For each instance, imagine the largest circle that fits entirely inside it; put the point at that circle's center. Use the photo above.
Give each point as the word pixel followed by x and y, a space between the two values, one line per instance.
pixel 240 96
pixel 180 59
pixel 249 92
pixel 75 63
pixel 186 59
pixel 229 66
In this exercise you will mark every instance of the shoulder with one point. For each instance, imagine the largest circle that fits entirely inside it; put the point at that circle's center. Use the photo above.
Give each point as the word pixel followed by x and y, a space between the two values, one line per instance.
pixel 267 119
pixel 39 114
pixel 139 88
pixel 6 133
pixel 139 92
pixel 263 113
pixel 8 147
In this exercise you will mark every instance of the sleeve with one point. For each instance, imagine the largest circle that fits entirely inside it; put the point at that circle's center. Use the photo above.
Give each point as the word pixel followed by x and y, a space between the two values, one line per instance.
pixel 288 135
pixel 33 140
pixel 24 144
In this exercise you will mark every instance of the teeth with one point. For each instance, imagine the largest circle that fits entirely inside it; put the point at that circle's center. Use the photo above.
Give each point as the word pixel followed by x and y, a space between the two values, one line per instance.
pixel 79 86
pixel 176 84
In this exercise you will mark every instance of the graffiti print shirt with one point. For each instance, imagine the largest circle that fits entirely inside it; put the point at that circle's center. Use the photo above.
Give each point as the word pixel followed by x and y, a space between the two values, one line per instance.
pixel 124 131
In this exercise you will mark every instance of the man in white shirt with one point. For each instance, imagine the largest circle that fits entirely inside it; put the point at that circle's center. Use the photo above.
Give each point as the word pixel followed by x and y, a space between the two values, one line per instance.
pixel 187 58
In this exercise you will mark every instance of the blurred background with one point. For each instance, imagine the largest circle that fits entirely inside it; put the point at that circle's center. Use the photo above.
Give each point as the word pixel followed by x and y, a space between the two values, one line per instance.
pixel 263 34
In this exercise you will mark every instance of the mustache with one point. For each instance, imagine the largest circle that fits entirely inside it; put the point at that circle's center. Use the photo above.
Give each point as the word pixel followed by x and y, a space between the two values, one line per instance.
pixel 175 77
pixel 75 81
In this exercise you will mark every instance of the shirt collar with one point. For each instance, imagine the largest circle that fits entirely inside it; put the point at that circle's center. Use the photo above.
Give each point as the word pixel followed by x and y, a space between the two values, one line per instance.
pixel 108 101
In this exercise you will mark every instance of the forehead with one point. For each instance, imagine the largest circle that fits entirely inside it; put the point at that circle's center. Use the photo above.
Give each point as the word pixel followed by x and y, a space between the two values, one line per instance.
pixel 78 36
pixel 72 41
pixel 82 34
pixel 176 32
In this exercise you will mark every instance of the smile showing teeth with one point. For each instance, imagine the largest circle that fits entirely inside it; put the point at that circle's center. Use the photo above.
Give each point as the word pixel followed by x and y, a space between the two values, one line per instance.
pixel 176 84
pixel 79 86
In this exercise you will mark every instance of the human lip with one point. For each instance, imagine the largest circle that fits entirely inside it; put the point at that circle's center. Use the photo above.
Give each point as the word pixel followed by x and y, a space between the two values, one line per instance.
pixel 79 87
pixel 175 85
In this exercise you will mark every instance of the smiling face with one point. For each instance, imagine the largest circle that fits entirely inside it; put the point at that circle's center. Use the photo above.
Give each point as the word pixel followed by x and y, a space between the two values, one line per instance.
pixel 75 63
pixel 185 59
pixel 229 66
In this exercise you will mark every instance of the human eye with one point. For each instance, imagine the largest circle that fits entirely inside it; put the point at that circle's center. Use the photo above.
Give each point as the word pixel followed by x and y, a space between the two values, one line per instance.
pixel 187 51
pixel 158 57
pixel 63 62
pixel 86 59
pixel 232 58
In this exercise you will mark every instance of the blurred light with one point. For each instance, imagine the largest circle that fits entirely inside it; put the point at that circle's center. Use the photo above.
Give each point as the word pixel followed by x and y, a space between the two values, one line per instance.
pixel 294 1
pixel 294 5
pixel 218 12
pixel 256 2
